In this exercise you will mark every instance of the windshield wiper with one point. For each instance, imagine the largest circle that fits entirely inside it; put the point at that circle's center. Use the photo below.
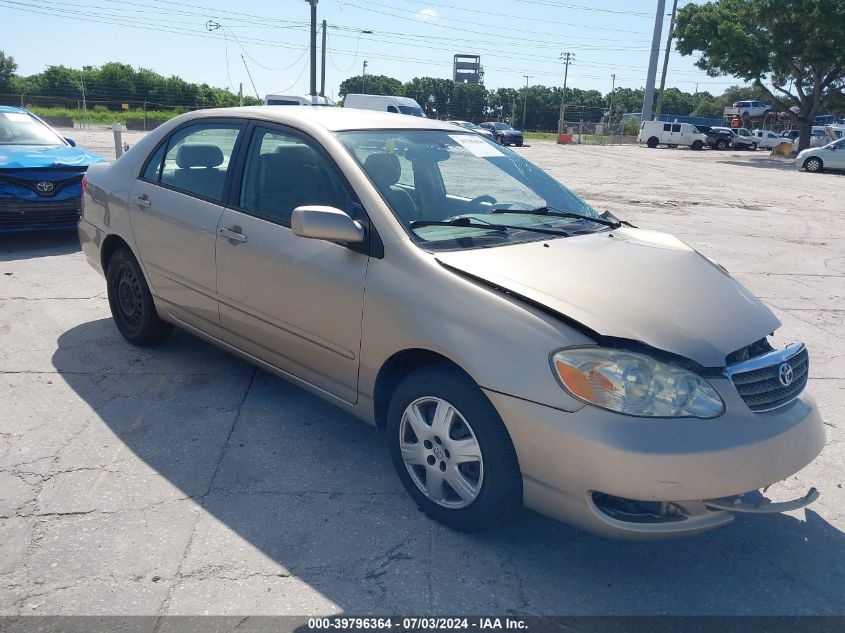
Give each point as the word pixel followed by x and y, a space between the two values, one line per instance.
pixel 483 224
pixel 546 211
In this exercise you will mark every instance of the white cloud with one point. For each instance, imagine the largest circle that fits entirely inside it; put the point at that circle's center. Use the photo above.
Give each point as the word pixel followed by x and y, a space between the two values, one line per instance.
pixel 426 15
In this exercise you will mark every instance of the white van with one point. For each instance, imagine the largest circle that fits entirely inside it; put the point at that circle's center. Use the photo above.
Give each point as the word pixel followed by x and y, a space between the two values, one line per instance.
pixel 654 133
pixel 300 100
pixel 384 103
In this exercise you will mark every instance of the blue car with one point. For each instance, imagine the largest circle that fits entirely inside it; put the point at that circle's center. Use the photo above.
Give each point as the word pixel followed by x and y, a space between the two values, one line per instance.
pixel 40 174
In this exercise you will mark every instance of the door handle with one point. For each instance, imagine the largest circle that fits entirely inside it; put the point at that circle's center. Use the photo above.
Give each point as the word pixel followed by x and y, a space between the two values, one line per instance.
pixel 143 201
pixel 233 234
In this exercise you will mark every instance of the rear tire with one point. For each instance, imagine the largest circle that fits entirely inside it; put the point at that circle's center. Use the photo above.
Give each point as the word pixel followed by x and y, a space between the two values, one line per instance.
pixel 652 142
pixel 814 165
pixel 452 451
pixel 131 303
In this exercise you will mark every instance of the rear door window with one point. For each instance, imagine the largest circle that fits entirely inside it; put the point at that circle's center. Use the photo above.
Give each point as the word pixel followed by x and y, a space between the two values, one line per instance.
pixel 197 159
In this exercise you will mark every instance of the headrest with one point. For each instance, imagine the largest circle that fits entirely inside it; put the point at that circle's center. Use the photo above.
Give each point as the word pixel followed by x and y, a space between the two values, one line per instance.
pixel 384 169
pixel 297 155
pixel 198 155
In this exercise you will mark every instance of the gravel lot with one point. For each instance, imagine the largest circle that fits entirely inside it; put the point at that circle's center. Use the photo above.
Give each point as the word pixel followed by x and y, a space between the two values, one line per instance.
pixel 183 481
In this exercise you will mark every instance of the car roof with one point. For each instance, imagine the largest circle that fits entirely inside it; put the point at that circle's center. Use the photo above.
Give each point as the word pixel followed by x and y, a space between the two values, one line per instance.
pixel 333 119
pixel 13 109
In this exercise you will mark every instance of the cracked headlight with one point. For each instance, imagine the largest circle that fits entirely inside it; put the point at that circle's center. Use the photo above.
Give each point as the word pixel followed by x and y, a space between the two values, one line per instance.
pixel 634 384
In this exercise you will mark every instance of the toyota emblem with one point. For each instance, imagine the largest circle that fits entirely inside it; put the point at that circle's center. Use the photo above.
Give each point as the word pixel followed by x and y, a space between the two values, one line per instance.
pixel 44 187
pixel 785 374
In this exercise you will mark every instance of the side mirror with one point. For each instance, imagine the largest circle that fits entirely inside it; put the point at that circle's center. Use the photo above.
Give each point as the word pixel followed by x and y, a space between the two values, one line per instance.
pixel 326 223
pixel 70 141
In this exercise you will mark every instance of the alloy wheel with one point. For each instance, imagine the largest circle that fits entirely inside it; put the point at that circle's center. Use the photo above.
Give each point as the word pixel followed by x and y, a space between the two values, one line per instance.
pixel 441 452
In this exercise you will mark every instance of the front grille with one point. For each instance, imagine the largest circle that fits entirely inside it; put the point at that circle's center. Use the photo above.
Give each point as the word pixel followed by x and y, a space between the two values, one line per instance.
pixel 37 214
pixel 761 388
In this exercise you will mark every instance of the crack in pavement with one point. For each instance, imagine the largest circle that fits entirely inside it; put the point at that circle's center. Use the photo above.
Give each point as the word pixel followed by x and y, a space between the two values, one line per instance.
pixel 203 498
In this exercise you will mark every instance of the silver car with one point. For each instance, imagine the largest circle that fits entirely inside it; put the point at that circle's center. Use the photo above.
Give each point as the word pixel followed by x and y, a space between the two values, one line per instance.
pixel 817 159
pixel 517 346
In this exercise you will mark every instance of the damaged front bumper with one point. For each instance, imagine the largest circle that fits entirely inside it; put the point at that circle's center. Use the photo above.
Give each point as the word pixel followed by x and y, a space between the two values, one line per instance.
pixel 657 478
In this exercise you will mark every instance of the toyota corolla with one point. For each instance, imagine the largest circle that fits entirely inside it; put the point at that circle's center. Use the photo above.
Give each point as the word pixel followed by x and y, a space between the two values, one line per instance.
pixel 516 345
pixel 40 174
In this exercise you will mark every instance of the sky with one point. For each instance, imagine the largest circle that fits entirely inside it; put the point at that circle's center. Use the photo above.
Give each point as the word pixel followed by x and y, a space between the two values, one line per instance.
pixel 203 40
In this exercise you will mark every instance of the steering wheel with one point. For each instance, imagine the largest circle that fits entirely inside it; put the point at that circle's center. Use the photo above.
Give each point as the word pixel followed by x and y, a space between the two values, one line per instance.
pixel 476 202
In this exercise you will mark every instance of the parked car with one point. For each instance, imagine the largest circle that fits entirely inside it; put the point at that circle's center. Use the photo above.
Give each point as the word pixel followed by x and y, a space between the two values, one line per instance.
pixel 654 133
pixel 475 128
pixel 411 273
pixel 748 108
pixel 503 133
pixel 739 141
pixel 303 100
pixel 766 138
pixel 818 159
pixel 790 135
pixel 819 137
pixel 40 174
pixel 716 138
pixel 828 119
pixel 384 103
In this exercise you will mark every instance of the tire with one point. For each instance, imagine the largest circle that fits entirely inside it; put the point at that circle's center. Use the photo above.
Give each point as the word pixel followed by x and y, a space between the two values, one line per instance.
pixel 131 303
pixel 814 165
pixel 671 146
pixel 753 147
pixel 501 141
pixel 488 479
pixel 519 143
pixel 721 144
pixel 697 145
pixel 652 142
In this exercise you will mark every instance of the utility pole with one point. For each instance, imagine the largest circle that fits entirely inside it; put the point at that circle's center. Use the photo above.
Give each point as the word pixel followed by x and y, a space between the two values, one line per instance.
pixel 323 66
pixel 648 97
pixel 525 106
pixel 364 78
pixel 313 4
pixel 610 111
pixel 566 57
pixel 240 94
pixel 249 74
pixel 666 60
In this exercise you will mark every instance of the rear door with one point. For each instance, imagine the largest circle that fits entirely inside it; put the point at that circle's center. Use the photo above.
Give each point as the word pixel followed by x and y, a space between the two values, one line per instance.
pixel 177 203
pixel 292 302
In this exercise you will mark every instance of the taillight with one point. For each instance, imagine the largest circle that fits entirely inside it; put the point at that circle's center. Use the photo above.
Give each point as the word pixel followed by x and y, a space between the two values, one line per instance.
pixel 84 184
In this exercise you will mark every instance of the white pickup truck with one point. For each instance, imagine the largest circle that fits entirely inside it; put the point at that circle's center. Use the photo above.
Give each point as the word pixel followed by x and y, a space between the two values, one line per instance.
pixel 751 108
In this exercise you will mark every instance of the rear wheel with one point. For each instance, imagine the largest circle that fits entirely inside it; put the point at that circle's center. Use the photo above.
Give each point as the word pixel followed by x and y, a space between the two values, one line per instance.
pixel 652 142
pixel 451 450
pixel 814 165
pixel 131 303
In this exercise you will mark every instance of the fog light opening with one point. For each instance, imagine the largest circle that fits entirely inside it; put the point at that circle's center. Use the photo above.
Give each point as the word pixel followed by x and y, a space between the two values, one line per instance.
pixel 637 511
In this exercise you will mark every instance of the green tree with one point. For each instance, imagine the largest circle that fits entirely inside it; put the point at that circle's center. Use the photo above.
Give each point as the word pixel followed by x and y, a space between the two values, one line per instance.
pixel 370 85
pixel 8 68
pixel 790 49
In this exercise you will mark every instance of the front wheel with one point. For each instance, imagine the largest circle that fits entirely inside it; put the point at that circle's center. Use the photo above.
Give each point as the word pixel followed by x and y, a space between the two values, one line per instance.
pixel 501 141
pixel 721 144
pixel 753 147
pixel 519 143
pixel 697 145
pixel 131 303
pixel 451 450
pixel 814 165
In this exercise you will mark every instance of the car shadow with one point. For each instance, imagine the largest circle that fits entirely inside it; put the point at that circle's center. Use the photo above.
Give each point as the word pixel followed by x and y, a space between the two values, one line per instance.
pixel 291 487
pixel 26 245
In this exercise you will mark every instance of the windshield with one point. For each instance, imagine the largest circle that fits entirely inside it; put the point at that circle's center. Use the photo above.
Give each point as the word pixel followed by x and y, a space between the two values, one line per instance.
pixel 19 128
pixel 501 126
pixel 412 110
pixel 430 176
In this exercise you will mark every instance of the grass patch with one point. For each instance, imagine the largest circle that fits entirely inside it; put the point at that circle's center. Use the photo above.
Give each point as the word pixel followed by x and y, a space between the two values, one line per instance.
pixel 540 136
pixel 100 114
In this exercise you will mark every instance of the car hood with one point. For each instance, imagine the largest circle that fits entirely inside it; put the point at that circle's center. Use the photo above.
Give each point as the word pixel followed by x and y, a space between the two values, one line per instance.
pixel 631 284
pixel 45 156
